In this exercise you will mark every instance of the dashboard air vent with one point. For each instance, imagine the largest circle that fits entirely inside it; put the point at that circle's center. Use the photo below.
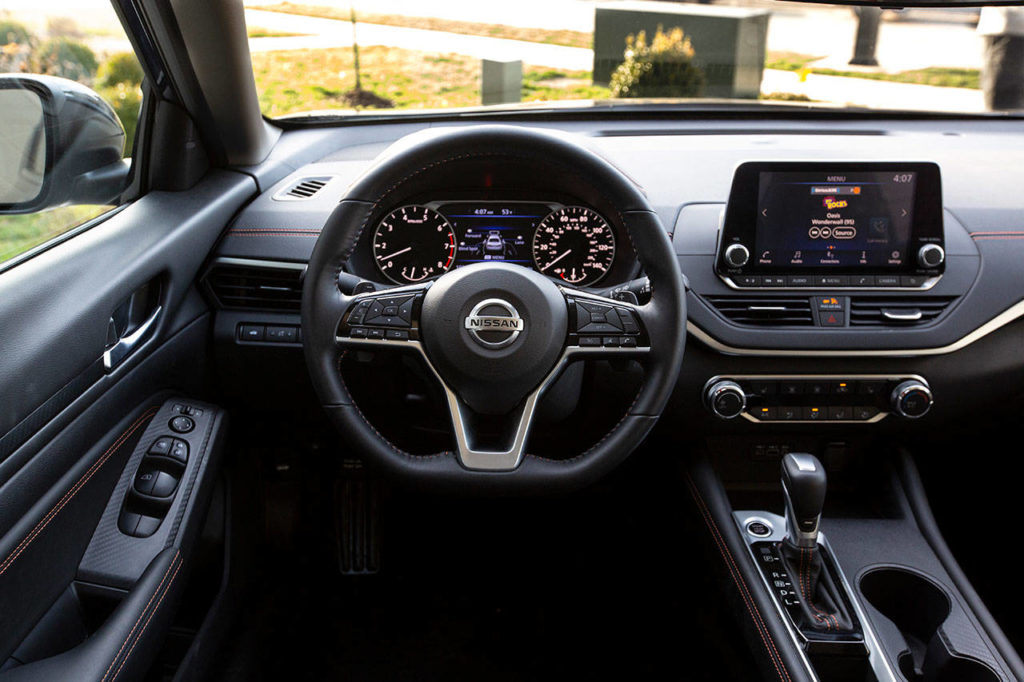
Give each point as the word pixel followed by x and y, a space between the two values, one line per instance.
pixel 896 311
pixel 767 311
pixel 306 188
pixel 256 287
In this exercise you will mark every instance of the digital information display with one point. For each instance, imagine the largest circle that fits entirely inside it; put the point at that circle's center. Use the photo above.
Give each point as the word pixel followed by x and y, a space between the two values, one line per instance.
pixel 825 220
pixel 494 231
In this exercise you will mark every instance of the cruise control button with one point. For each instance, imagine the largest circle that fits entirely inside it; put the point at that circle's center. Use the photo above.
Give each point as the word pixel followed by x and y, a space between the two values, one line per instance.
pixel 628 319
pixel 161 446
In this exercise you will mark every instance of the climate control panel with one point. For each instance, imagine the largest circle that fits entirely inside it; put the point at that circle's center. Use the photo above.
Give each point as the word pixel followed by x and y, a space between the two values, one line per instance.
pixel 807 398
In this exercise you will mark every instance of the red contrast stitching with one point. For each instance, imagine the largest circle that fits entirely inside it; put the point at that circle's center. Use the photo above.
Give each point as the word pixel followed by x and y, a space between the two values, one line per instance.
pixel 151 613
pixel 141 615
pixel 34 533
pixel 805 589
pixel 741 584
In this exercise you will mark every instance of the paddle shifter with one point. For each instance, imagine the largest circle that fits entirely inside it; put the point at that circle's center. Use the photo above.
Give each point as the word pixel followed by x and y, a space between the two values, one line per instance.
pixel 803 484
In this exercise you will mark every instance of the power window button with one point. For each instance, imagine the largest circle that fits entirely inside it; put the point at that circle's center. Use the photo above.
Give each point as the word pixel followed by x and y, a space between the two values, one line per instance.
pixel 144 481
pixel 161 446
pixel 164 485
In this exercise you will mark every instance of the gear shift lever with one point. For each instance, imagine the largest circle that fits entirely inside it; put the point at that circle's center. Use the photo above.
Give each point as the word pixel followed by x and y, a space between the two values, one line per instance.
pixel 803 483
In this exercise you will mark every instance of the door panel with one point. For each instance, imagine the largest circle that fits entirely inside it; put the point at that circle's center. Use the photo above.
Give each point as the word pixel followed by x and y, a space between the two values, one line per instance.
pixel 68 424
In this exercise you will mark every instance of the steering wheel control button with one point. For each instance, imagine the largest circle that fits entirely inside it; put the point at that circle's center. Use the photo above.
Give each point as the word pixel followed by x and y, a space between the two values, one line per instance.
pixel 164 485
pixel 494 323
pixel 161 446
pixel 759 529
pixel 358 313
pixel 590 341
pixel 396 335
pixel 375 334
pixel 358 332
pixel 182 424
pixel 145 478
pixel 726 399
pixel 912 399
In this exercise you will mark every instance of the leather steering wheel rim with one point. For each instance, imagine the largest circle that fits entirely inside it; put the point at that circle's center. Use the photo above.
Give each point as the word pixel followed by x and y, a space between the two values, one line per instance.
pixel 663 318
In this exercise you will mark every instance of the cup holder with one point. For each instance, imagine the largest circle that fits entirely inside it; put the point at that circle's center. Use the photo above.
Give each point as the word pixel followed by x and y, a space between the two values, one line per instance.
pixel 918 607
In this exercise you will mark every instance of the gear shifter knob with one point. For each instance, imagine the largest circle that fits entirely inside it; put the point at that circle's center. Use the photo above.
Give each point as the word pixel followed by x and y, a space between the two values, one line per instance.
pixel 803 484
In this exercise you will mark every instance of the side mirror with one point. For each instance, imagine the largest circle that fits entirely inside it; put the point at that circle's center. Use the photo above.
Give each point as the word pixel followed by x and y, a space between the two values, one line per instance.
pixel 60 143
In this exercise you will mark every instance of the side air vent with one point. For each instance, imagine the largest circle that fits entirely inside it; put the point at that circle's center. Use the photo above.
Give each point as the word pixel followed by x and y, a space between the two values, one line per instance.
pixel 306 188
pixel 256 286
pixel 765 311
pixel 896 311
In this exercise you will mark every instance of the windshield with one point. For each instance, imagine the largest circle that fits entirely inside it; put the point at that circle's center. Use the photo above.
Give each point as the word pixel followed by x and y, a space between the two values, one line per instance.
pixel 383 56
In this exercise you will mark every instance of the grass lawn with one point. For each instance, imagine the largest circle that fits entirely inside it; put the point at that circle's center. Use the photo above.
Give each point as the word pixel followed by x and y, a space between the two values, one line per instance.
pixel 298 80
pixel 533 35
pixel 257 32
pixel 19 233
pixel 941 76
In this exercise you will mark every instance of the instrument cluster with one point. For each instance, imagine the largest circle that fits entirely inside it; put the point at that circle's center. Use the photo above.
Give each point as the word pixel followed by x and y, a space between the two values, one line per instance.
pixel 416 242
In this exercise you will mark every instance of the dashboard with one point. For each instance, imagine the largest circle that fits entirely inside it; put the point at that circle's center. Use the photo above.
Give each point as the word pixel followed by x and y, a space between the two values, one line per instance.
pixel 416 242
pixel 828 335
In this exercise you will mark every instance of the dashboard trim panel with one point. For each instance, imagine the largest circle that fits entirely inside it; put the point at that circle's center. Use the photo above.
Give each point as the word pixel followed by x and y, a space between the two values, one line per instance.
pixel 1009 315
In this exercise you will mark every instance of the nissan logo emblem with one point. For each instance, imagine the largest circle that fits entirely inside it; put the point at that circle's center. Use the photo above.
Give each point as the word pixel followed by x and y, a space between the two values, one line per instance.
pixel 494 323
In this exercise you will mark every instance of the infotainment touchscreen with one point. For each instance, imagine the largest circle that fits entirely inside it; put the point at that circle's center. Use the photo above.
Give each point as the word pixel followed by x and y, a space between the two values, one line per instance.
pixel 834 219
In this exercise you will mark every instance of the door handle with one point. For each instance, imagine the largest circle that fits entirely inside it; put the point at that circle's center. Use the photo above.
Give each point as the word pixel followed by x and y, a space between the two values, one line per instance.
pixel 124 346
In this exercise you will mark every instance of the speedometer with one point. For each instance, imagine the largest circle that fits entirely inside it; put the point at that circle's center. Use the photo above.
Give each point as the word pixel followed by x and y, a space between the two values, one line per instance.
pixel 574 244
pixel 413 243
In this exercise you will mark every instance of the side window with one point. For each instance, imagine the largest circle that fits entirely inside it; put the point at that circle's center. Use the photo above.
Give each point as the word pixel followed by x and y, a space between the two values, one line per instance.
pixel 69 86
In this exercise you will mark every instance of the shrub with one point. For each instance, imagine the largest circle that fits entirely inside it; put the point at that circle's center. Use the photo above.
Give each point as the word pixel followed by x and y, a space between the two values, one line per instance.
pixel 122 67
pixel 664 68
pixel 13 33
pixel 63 27
pixel 66 58
pixel 125 99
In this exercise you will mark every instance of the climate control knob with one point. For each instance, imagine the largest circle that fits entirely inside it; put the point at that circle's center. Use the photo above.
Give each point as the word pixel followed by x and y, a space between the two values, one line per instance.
pixel 912 399
pixel 930 256
pixel 737 255
pixel 726 399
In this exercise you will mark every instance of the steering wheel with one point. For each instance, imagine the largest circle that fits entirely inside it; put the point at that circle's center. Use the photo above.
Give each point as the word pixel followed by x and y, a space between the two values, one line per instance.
pixel 494 335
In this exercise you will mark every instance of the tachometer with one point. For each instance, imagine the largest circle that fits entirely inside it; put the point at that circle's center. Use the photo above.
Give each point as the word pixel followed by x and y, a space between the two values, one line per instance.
pixel 575 244
pixel 413 243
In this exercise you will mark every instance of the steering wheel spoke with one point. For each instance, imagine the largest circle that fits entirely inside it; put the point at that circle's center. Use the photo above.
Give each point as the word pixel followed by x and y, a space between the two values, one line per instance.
pixel 383 319
pixel 602 326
